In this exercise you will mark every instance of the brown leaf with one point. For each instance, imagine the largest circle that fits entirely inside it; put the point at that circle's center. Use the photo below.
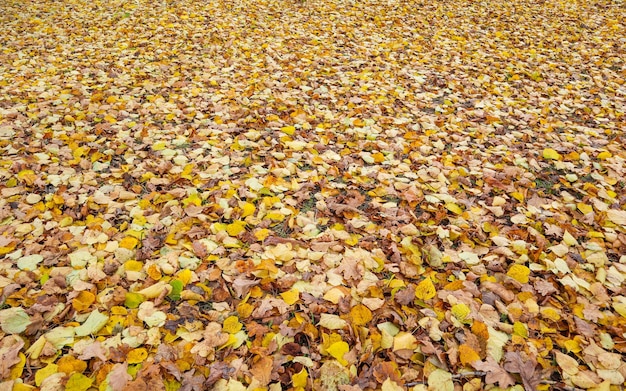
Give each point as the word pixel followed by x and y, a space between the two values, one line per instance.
pixel 495 373
pixel 119 377
pixel 10 347
pixel 387 370
pixel 406 296
pixel 514 362
pixel 199 249
pixel 262 370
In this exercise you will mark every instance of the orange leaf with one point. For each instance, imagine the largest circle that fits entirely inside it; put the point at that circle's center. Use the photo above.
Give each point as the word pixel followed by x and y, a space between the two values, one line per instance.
pixel 83 301
pixel 360 315
pixel 467 355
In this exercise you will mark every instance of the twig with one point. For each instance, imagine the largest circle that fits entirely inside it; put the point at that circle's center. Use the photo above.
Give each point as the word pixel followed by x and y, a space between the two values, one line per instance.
pixel 454 377
pixel 457 376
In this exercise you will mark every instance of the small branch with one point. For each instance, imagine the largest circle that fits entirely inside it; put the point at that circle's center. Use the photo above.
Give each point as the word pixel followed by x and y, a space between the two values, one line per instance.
pixel 461 375
pixel 456 376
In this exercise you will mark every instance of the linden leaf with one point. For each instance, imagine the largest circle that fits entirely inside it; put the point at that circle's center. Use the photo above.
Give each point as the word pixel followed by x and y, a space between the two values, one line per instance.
pixel 235 228
pixel 404 340
pixel 390 385
pixel 69 365
pixel 83 301
pixel 137 356
pixel 467 355
pixel 45 372
pixel 440 380
pixel 568 364
pixel 332 322
pixel 232 325
pixel 425 290
pixel 291 296
pixel 360 315
pixel 14 320
pixel 551 154
pixel 338 350
pixel 290 130
pixel 247 209
pixel 461 312
pixel 78 382
pixel 92 325
pixel 132 300
pixel 177 288
pixel 300 379
pixel 519 273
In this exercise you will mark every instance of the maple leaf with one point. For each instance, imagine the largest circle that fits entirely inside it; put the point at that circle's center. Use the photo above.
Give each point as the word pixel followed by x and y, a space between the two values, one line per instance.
pixel 494 372
pixel 10 347
pixel 526 367
pixel 118 378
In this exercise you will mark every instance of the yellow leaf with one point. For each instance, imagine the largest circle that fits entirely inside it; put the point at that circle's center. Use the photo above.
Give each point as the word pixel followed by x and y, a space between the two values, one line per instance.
pixel 390 385
pixel 245 309
pixel 454 208
pixel 290 130
pixel 137 356
pixel 299 379
pixel 133 266
pixel 617 216
pixel 567 363
pixel 275 215
pixel 83 301
pixel 604 155
pixel 78 152
pixel 247 209
pixel 425 290
pixel 332 322
pixel 7 249
pixel 129 242
pixel 358 122
pixel 518 196
pixel 519 273
pixel 520 329
pixel 44 372
pixel 378 157
pixel 551 154
pixel 185 276
pixel 334 295
pixel 194 199
pixel 232 325
pixel 360 315
pixel 78 382
pixel 440 380
pixel 235 228
pixel 18 368
pixel 291 296
pixel 69 364
pixel 186 174
pixel 461 312
pixel 571 345
pixel 550 313
pixel 111 99
pixel 467 355
pixel 154 272
pixel 569 239
pixel 584 208
pixel 404 340
pixel 158 146
pixel 338 350
pixel 27 176
pixel 23 387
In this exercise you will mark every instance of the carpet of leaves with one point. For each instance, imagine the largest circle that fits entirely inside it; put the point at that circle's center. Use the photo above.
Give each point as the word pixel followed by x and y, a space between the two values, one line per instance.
pixel 312 195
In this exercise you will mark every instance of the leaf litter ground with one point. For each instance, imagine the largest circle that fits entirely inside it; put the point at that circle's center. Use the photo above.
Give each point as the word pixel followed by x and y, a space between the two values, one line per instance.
pixel 331 195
